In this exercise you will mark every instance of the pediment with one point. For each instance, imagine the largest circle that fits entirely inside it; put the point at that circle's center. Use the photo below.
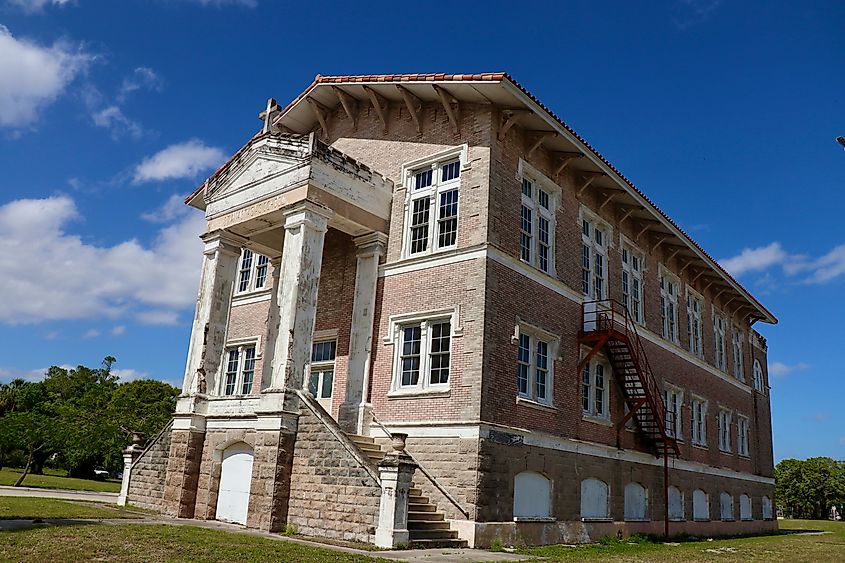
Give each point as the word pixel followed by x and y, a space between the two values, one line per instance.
pixel 259 166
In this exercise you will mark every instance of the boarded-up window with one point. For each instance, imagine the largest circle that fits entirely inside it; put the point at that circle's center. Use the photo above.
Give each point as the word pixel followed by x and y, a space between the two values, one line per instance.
pixel 676 504
pixel 700 505
pixel 532 495
pixel 745 508
pixel 767 508
pixel 594 500
pixel 726 506
pixel 636 502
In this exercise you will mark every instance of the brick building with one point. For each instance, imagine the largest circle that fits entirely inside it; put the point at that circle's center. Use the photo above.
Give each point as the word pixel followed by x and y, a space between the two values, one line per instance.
pixel 441 256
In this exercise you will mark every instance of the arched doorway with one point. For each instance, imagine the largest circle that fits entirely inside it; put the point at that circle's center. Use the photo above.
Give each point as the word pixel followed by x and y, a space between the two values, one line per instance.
pixel 235 480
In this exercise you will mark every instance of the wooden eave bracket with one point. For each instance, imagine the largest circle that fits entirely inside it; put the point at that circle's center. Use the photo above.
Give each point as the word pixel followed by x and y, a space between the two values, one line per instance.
pixel 414 105
pixel 446 99
pixel 379 104
pixel 627 213
pixel 563 160
pixel 609 197
pixel 589 177
pixel 510 117
pixel 649 224
pixel 536 139
pixel 321 112
pixel 350 105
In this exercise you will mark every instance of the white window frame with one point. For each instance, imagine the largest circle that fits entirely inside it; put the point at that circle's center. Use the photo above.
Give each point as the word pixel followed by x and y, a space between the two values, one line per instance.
pixel 631 278
pixel 758 375
pixel 591 389
pixel 240 345
pixel 394 338
pixel 742 429
pixel 434 162
pixel 673 395
pixel 723 426
pixel 720 358
pixel 536 212
pixel 322 366
pixel 594 264
pixel 252 272
pixel 669 304
pixel 536 335
pixel 695 324
pixel 737 338
pixel 698 421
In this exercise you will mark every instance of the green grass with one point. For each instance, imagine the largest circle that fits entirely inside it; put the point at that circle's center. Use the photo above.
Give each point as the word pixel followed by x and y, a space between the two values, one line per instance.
pixel 781 547
pixel 30 508
pixel 53 479
pixel 154 543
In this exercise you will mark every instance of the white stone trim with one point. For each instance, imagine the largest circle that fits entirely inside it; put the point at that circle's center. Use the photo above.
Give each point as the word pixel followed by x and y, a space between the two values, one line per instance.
pixel 417 263
pixel 250 298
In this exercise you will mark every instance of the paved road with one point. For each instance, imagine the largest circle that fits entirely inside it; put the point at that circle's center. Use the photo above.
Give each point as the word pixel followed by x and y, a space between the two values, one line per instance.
pixel 58 493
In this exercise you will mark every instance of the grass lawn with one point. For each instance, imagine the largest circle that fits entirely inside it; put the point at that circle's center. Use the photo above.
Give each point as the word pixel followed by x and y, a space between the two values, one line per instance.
pixel 783 547
pixel 53 479
pixel 143 543
pixel 26 508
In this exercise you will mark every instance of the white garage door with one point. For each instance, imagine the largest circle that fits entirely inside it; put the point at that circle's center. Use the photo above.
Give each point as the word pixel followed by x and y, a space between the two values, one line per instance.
pixel 235 479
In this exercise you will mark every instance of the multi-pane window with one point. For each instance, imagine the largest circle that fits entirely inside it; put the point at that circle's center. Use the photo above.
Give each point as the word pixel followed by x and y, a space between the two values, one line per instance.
pixel 632 282
pixel 594 389
pixel 758 376
pixel 674 399
pixel 424 358
pixel 742 436
pixel 240 370
pixel 694 325
pixel 719 341
pixel 534 368
pixel 737 337
pixel 669 307
pixel 433 208
pixel 723 424
pixel 699 421
pixel 593 259
pixel 252 271
pixel 321 376
pixel 536 227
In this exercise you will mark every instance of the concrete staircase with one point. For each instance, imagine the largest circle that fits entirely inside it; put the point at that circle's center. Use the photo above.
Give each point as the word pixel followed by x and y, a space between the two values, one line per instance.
pixel 426 525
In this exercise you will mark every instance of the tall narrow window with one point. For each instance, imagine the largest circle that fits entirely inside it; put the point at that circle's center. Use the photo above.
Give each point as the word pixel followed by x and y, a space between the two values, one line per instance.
pixel 440 353
pixel 719 341
pixel 669 307
pixel 252 271
pixel 534 366
pixel 742 436
pixel 723 424
pixel 410 359
pixel 240 370
pixel 594 389
pixel 674 400
pixel 758 376
pixel 423 355
pixel 261 272
pixel 632 282
pixel 737 337
pixel 232 372
pixel 694 325
pixel 433 207
pixel 536 227
pixel 593 260
pixel 248 370
pixel 699 421
pixel 321 376
pixel 246 270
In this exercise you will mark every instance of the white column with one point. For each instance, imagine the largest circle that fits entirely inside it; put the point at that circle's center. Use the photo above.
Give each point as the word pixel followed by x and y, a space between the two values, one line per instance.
pixel 272 324
pixel 208 335
pixel 353 414
pixel 296 294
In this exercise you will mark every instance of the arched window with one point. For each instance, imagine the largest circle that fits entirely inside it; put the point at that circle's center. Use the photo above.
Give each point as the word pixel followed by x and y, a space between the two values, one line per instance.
pixel 676 504
pixel 745 507
pixel 700 505
pixel 767 508
pixel 726 506
pixel 636 502
pixel 532 495
pixel 594 500
pixel 758 376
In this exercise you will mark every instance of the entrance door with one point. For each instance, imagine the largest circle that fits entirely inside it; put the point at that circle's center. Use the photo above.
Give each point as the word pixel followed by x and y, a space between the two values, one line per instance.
pixel 321 379
pixel 235 480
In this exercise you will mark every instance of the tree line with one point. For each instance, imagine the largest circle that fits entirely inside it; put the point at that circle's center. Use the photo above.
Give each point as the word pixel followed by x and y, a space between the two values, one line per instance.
pixel 810 488
pixel 78 419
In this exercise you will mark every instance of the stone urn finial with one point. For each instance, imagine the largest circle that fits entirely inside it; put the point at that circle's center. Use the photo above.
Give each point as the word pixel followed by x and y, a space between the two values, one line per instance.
pixel 137 439
pixel 397 441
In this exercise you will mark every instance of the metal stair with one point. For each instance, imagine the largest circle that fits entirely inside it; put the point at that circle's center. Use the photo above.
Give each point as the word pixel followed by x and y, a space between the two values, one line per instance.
pixel 427 526
pixel 607 325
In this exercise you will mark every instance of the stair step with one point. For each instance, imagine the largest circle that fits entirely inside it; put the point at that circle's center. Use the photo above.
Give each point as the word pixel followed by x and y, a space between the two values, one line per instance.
pixel 414 492
pixel 417 499
pixel 358 439
pixel 427 525
pixel 430 516
pixel 421 507
pixel 433 534
pixel 438 543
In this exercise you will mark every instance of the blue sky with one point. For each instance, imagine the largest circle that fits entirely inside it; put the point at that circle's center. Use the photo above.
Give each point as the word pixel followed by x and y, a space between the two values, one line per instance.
pixel 725 113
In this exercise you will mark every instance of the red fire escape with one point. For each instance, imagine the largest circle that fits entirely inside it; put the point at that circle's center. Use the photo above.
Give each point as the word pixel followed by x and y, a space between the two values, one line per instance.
pixel 607 325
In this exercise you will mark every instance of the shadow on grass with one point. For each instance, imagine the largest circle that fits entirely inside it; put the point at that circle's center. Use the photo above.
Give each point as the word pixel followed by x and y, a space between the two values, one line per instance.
pixel 22 525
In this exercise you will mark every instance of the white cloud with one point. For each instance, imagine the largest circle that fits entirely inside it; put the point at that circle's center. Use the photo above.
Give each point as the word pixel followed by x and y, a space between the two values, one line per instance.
pixel 32 76
pixel 182 160
pixel 118 330
pixel 755 259
pixel 141 78
pixel 780 369
pixel 823 269
pixel 113 119
pixel 172 209
pixel 32 6
pixel 8 374
pixel 50 274
pixel 157 317
pixel 92 333
pixel 130 374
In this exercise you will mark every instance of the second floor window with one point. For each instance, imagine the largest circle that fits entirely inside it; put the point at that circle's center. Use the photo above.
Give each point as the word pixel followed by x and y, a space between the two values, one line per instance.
pixel 669 307
pixel 694 325
pixel 536 227
pixel 432 221
pixel 742 436
pixel 593 260
pixel 632 282
pixel 252 273
pixel 699 421
pixel 240 370
pixel 594 389
pixel 723 424
pixel 719 341
pixel 737 336
pixel 674 400
pixel 534 369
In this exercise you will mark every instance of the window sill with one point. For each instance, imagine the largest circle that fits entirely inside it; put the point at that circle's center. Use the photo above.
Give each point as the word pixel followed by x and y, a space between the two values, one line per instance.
pixel 726 452
pixel 419 393
pixel 596 519
pixel 535 404
pixel 743 456
pixel 534 519
pixel 422 256
pixel 637 519
pixel 701 446
pixel 682 520
pixel 746 520
pixel 728 520
pixel 701 520
pixel 256 294
pixel 597 420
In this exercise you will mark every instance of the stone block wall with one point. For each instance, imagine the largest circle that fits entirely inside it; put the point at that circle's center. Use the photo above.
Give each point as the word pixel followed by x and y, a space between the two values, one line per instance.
pixel 146 481
pixel 331 494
